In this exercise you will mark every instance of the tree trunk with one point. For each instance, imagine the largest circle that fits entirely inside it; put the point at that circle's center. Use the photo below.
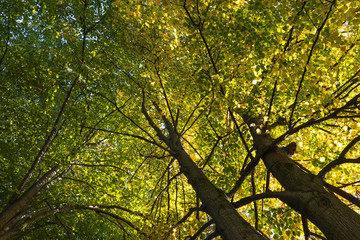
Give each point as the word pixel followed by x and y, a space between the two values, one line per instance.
pixel 308 195
pixel 228 222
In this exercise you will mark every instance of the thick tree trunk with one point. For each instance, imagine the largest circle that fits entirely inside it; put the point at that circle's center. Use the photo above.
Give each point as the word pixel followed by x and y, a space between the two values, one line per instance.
pixel 326 211
pixel 308 195
pixel 228 222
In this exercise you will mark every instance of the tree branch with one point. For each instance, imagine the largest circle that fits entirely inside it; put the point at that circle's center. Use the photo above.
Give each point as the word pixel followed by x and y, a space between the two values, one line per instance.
pixel 45 147
pixel 259 196
pixel 341 159
pixel 351 198
pixel 6 47
pixel 271 103
pixel 166 99
pixel 305 227
pixel 203 227
pixel 308 61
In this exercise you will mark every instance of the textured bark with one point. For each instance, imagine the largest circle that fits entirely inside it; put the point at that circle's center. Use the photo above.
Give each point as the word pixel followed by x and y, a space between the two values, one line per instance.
pixel 228 222
pixel 326 211
pixel 308 195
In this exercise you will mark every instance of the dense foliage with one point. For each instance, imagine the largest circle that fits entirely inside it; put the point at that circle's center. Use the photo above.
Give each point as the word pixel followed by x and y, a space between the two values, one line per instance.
pixel 92 90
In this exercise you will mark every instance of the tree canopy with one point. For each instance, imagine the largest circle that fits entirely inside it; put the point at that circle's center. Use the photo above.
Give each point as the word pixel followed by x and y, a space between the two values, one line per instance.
pixel 191 119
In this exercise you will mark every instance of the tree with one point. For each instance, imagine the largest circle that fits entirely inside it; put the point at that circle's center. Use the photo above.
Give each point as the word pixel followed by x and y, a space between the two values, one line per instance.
pixel 167 120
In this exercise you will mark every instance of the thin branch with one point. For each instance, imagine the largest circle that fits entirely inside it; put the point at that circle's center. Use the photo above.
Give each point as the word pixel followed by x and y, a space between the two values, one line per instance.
pixel 182 220
pixel 160 181
pixel 340 117
pixel 154 156
pixel 212 235
pixel 91 134
pixel 352 89
pixel 341 159
pixel 211 153
pixel 308 61
pixel 240 133
pixel 198 26
pixel 247 200
pixel 58 219
pixel 166 99
pixel 290 38
pixel 122 220
pixel 245 171
pixel 203 227
pixel 123 114
pixel 136 170
pixel 253 187
pixel 45 147
pixel 195 120
pixel 343 185
pixel 271 103
pixel 89 185
pixel 305 227
pixel 190 116
pixel 35 228
pixel 189 15
pixel 318 236
pixel 169 182
pixel 355 100
pixel 89 29
pixel 267 184
pixel 344 54
pixel 346 85
pixel 133 136
pixel 6 47
pixel 351 198
pixel 192 146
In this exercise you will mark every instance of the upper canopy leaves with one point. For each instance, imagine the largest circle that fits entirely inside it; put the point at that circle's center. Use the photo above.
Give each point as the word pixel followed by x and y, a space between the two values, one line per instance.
pixel 200 65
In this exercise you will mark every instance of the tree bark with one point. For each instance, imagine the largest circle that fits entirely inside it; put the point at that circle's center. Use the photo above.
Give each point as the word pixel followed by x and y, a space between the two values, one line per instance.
pixel 14 212
pixel 309 197
pixel 228 222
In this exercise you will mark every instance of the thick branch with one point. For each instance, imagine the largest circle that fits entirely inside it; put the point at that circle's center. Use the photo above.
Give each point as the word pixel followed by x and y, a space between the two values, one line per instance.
pixel 98 209
pixel 24 200
pixel 151 122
